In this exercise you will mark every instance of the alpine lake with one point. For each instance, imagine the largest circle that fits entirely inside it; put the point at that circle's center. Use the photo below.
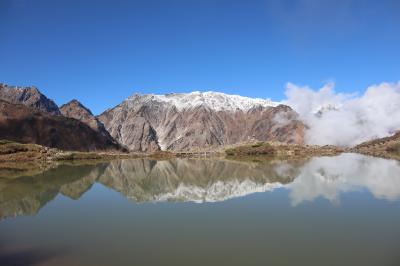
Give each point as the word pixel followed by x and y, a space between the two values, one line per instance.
pixel 340 210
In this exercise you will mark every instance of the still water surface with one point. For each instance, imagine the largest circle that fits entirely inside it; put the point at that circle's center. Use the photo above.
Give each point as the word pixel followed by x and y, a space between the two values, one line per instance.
pixel 342 210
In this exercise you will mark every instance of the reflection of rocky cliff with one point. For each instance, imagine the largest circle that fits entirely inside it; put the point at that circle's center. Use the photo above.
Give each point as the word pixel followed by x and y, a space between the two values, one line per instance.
pixel 26 205
pixel 78 187
pixel 27 194
pixel 206 180
pixel 193 180
pixel 144 180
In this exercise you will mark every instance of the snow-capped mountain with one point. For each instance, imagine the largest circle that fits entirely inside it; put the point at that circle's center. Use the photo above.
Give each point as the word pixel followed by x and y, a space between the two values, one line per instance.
pixel 214 100
pixel 199 120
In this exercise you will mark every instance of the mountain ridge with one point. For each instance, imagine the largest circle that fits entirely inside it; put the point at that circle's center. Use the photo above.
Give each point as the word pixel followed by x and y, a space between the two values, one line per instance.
pixel 198 120
pixel 28 96
pixel 217 101
pixel 23 124
pixel 75 109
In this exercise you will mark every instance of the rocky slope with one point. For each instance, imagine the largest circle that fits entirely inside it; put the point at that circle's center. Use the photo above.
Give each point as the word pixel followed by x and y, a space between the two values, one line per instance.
pixel 28 96
pixel 75 109
pixel 197 121
pixel 27 125
pixel 281 150
pixel 388 147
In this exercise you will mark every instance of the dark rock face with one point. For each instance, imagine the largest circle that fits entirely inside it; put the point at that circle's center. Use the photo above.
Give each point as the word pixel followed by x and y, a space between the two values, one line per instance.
pixel 26 125
pixel 201 126
pixel 28 96
pixel 75 109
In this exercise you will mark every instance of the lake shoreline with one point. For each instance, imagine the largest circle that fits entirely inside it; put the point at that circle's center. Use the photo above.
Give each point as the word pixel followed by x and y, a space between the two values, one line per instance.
pixel 15 155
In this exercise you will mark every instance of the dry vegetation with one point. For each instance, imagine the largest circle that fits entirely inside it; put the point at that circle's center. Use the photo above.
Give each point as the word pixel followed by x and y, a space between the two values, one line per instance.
pixel 388 147
pixel 273 149
pixel 16 152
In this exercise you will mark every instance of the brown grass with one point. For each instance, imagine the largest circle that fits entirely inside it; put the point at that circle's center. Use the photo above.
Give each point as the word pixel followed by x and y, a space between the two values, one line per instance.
pixel 252 150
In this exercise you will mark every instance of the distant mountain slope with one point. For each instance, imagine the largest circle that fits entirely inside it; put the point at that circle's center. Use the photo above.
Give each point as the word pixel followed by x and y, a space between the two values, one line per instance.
pixel 388 147
pixel 28 96
pixel 28 125
pixel 199 121
pixel 75 109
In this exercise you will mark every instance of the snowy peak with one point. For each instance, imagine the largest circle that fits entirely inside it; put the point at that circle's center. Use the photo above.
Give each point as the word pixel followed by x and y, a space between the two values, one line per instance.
pixel 199 120
pixel 214 100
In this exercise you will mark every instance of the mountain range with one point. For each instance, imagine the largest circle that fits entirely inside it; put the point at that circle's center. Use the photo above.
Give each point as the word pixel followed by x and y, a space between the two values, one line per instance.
pixel 146 123
pixel 199 121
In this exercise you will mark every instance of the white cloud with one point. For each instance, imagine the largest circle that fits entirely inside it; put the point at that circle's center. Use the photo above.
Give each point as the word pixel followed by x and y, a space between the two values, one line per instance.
pixel 346 119
pixel 321 177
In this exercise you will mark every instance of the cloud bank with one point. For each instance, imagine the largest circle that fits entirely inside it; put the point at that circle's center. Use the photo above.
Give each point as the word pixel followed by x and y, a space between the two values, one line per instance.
pixel 346 119
pixel 321 177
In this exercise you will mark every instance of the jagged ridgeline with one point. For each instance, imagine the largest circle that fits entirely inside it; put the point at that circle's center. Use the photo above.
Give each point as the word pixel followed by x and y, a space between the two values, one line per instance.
pixel 198 120
pixel 146 123
pixel 27 116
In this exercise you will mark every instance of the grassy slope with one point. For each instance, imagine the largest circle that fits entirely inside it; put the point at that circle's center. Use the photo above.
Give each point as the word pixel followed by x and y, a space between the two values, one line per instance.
pixel 388 147
pixel 281 150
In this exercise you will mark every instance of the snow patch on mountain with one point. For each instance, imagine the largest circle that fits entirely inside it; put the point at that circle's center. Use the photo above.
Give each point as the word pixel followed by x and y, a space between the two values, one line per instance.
pixel 216 192
pixel 214 100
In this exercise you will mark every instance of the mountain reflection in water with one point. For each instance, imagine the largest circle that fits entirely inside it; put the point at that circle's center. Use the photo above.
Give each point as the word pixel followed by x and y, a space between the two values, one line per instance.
pixel 205 180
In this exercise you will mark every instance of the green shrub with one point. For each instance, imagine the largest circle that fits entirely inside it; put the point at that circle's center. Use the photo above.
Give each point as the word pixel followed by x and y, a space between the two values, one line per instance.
pixel 230 152
pixel 258 144
pixel 5 141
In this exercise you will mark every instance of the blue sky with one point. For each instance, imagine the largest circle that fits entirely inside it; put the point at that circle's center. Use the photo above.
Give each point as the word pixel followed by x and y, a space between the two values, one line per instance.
pixel 100 52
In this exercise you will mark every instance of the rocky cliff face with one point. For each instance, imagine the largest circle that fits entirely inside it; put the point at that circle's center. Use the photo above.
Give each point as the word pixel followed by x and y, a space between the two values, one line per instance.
pixel 27 125
pixel 28 96
pixel 75 109
pixel 199 121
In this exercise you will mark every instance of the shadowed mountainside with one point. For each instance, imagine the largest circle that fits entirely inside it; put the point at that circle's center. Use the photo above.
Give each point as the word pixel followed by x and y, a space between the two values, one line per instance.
pixel 26 125
pixel 75 109
pixel 30 97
